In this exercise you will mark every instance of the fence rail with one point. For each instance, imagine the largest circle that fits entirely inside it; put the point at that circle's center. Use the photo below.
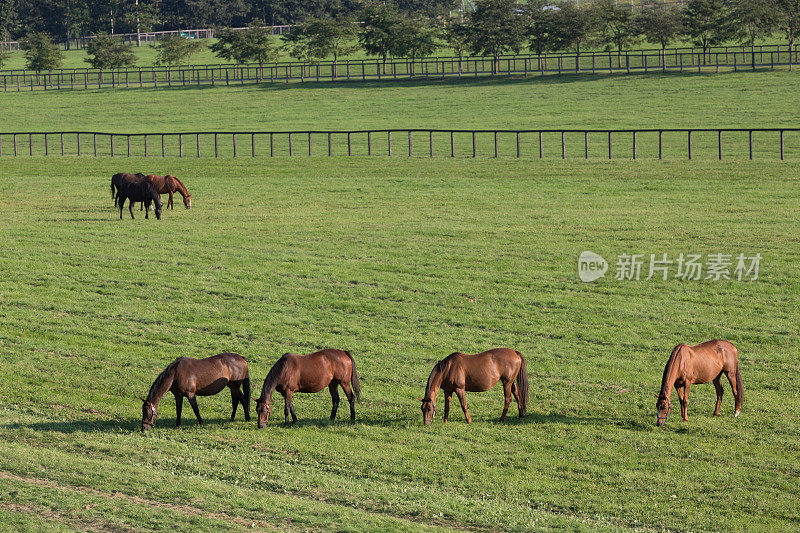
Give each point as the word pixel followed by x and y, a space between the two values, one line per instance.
pixel 733 59
pixel 707 143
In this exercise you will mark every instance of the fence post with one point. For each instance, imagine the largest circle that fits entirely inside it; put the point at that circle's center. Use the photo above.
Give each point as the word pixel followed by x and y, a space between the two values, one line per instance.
pixel 111 144
pixel 129 146
pixel 609 145
pixel 719 144
pixel 15 146
pixel 518 143
pixel 180 145
pixel 46 151
pixel 290 144
pixel 689 141
pixel 94 143
pixel 409 144
pixel 634 144
pixel 781 145
pixel 586 145
pixel 330 145
pixel 62 145
pixel 309 144
pixel 751 143
pixel 145 145
pixel 30 144
pixel 390 143
pixel 369 141
pixel 271 145
pixel 197 135
pixel 216 145
pixel 349 151
pixel 163 146
pixel 78 135
pixel 452 144
pixel 563 146
pixel 430 137
pixel 660 143
pixel 540 145
pixel 473 144
pixel 234 145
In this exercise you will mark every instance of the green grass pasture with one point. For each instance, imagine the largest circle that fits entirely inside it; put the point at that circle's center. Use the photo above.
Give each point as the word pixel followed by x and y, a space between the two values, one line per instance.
pixel 401 262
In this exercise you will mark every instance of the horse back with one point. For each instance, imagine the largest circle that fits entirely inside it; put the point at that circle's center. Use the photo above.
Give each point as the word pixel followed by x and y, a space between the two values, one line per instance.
pixel 315 371
pixel 210 375
pixel 706 360
pixel 480 372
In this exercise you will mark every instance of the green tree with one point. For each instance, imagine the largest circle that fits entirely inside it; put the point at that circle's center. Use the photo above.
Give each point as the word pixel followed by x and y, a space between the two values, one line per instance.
pixel 573 26
pixel 788 21
pixel 253 45
pixel 174 50
pixel 754 19
pixel 616 25
pixel 41 53
pixel 330 37
pixel 539 14
pixel 495 27
pixel 109 52
pixel 660 24
pixel 379 30
pixel 456 35
pixel 415 38
pixel 3 57
pixel 708 23
pixel 9 19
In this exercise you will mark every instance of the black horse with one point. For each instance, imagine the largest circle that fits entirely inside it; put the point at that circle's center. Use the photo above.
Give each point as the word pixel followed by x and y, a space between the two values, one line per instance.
pixel 123 178
pixel 138 192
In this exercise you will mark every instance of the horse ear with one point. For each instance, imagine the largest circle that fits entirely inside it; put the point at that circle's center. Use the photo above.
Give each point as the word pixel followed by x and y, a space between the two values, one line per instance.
pixel 422 399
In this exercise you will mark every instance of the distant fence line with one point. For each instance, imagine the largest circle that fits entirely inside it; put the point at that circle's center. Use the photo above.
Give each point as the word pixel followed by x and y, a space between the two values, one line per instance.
pixel 714 143
pixel 730 59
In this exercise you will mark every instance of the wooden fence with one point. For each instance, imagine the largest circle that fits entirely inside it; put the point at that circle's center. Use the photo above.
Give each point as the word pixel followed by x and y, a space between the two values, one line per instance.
pixel 645 61
pixel 738 143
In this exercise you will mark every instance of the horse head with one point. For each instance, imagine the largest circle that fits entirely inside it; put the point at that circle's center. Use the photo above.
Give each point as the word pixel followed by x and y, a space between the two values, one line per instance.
pixel 663 408
pixel 187 201
pixel 149 415
pixel 428 410
pixel 263 410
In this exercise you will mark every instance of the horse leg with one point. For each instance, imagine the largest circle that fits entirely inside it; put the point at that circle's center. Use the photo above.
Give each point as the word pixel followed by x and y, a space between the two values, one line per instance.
pixel 334 388
pixel 351 399
pixel 178 409
pixel 462 398
pixel 683 396
pixel 193 403
pixel 288 408
pixel 130 207
pixel 720 392
pixel 234 399
pixel 516 397
pixel 506 398
pixel 447 397
pixel 147 211
pixel 169 202
pixel 736 392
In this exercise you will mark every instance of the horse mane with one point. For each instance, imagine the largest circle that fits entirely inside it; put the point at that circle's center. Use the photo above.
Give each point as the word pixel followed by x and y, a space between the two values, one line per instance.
pixel 271 381
pixel 166 374
pixel 670 363
pixel 182 186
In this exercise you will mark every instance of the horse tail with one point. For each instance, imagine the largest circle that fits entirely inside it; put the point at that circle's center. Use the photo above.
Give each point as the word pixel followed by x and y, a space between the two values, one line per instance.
pixel 739 385
pixel 523 387
pixel 246 388
pixel 354 381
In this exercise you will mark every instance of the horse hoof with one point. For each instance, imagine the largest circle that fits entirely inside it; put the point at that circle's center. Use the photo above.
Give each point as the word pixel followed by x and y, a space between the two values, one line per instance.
pixel 736 414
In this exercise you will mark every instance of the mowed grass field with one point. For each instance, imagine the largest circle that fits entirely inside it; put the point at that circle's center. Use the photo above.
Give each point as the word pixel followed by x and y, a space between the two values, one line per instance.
pixel 401 261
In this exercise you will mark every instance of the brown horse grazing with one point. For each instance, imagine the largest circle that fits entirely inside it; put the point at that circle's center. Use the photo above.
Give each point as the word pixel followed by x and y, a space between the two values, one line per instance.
pixel 169 184
pixel 309 373
pixel 164 185
pixel 461 373
pixel 198 377
pixel 700 363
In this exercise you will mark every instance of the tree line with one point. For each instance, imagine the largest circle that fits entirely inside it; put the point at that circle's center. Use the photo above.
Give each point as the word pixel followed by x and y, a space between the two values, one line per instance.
pixel 491 28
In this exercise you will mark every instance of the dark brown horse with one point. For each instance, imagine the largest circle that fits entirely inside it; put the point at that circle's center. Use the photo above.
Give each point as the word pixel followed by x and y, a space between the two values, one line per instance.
pixel 199 377
pixel 141 191
pixel 309 373
pixel 168 184
pixel 700 363
pixel 462 373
